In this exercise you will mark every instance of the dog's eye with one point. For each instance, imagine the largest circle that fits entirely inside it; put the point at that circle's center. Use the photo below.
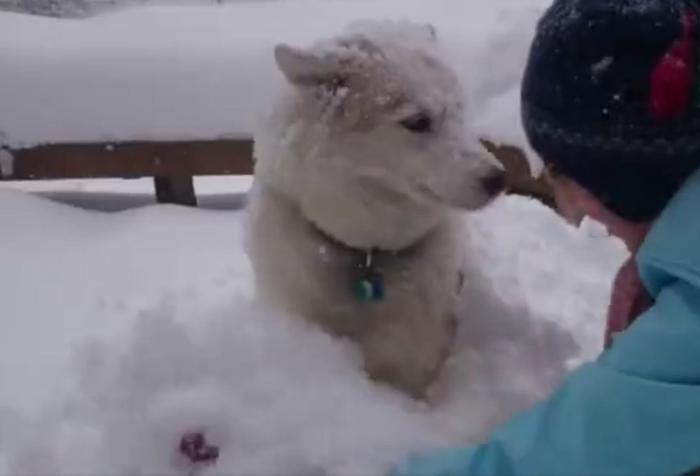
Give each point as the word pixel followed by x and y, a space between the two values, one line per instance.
pixel 419 123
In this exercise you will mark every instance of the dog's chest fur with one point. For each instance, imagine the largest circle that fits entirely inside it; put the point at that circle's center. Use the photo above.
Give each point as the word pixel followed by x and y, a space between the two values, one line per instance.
pixel 307 272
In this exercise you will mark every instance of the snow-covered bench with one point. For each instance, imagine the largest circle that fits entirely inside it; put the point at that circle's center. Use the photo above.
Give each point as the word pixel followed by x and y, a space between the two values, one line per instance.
pixel 176 91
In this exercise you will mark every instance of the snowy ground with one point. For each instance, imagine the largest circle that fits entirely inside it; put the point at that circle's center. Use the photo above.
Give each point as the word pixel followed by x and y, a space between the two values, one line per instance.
pixel 108 195
pixel 131 328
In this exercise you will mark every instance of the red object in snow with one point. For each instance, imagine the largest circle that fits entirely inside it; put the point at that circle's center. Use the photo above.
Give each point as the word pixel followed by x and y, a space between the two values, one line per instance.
pixel 195 447
pixel 673 77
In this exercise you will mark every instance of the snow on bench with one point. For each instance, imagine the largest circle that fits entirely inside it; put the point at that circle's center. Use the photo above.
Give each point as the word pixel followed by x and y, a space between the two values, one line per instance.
pixel 114 95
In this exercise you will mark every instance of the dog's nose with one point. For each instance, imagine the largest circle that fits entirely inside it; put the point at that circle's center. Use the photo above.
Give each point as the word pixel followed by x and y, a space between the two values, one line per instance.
pixel 494 183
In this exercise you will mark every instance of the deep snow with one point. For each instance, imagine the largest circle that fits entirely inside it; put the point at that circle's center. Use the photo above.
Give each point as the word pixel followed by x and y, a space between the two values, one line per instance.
pixel 131 328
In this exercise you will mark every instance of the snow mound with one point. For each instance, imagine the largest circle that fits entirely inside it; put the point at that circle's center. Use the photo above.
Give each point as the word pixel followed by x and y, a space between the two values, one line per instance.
pixel 150 331
pixel 276 397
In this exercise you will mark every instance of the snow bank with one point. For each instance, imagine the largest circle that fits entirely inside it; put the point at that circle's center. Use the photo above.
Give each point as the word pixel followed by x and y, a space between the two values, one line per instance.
pixel 132 328
pixel 213 192
pixel 169 72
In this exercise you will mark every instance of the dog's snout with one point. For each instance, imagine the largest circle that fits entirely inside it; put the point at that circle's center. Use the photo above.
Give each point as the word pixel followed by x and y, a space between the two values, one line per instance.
pixel 494 183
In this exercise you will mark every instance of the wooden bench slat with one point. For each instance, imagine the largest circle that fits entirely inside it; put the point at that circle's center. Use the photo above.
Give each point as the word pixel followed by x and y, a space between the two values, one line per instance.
pixel 133 159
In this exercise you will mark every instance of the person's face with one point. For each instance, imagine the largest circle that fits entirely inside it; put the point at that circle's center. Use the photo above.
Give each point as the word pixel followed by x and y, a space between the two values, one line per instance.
pixel 574 203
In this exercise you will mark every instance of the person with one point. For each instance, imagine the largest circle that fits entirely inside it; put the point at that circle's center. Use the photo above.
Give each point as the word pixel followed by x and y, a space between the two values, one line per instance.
pixel 611 102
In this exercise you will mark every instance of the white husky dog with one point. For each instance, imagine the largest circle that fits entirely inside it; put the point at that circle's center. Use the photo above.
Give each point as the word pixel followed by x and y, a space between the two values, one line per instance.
pixel 360 170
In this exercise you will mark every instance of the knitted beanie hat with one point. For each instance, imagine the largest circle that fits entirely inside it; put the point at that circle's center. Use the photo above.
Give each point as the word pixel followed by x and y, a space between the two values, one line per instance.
pixel 611 98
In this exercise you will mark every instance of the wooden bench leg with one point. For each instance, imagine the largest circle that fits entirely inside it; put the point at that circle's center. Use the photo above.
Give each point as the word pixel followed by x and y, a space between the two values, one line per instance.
pixel 177 190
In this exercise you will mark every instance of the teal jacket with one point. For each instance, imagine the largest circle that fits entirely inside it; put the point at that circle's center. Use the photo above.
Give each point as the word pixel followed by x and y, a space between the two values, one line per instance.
pixel 636 410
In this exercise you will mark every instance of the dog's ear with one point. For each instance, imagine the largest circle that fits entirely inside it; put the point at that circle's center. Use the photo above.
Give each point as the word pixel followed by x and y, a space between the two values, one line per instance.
pixel 301 67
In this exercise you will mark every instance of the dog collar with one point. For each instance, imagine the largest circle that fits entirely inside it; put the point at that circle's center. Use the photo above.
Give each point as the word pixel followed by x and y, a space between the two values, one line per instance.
pixel 367 281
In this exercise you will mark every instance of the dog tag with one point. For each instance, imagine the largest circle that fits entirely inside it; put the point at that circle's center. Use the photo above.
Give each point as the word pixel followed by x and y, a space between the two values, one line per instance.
pixel 370 285
pixel 370 289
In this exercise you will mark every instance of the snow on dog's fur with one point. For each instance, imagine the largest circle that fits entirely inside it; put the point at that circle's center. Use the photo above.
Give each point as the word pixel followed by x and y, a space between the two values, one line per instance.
pixel 367 149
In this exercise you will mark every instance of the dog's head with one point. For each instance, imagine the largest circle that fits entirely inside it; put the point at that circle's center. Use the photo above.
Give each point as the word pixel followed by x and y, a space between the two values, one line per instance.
pixel 377 117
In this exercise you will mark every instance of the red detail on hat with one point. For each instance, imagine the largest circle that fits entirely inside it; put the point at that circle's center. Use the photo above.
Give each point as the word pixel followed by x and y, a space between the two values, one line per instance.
pixel 673 76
